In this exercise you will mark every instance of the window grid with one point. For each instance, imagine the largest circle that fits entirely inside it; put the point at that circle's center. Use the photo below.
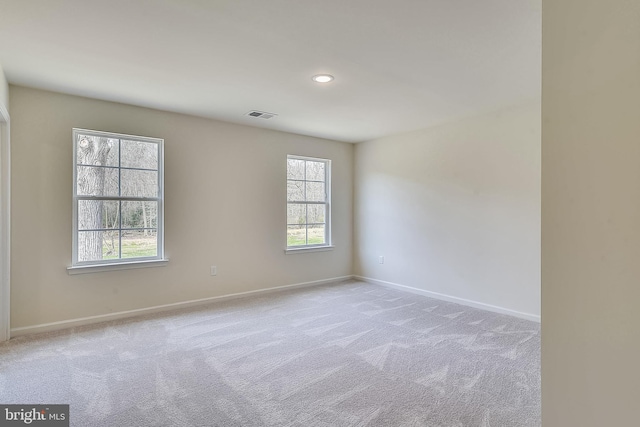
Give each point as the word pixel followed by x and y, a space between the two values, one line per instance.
pixel 120 201
pixel 309 225
pixel 116 167
pixel 158 200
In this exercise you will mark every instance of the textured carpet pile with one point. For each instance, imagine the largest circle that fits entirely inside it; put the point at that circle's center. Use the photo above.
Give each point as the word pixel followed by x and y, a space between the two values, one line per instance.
pixel 346 354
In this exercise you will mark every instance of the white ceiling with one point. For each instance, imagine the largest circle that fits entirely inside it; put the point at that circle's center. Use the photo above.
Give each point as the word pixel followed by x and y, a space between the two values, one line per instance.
pixel 399 65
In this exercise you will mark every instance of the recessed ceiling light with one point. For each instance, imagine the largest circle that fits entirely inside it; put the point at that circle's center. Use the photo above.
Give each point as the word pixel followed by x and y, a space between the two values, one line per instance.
pixel 322 78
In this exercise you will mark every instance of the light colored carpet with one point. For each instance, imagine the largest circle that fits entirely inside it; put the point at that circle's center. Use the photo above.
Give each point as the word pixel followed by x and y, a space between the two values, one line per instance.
pixel 347 354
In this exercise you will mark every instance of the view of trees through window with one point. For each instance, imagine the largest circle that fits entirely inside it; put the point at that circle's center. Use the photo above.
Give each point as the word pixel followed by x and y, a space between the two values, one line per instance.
pixel 117 196
pixel 307 202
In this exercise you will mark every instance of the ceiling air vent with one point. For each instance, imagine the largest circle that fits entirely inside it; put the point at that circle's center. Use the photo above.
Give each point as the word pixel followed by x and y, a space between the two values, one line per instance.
pixel 261 114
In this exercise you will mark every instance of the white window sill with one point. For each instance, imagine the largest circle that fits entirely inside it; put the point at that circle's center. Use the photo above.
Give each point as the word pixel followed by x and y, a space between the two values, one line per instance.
pixel 98 268
pixel 291 251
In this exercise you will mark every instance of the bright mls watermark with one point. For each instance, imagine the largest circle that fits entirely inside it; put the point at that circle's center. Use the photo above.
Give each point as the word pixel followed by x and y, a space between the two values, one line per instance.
pixel 34 415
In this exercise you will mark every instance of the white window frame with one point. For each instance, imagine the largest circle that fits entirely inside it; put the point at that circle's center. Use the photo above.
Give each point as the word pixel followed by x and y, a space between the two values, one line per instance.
pixel 327 186
pixel 78 267
pixel 5 225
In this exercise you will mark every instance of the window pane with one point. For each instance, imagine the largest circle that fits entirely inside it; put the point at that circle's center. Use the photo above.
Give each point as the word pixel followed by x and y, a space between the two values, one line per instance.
pixel 139 214
pixel 315 192
pixel 110 244
pixel 296 214
pixel 98 151
pixel 111 168
pixel 137 183
pixel 295 191
pixel 316 234
pixel 295 169
pixel 136 154
pixel 315 171
pixel 316 214
pixel 296 235
pixel 94 214
pixel 139 243
pixel 98 245
pixel 94 181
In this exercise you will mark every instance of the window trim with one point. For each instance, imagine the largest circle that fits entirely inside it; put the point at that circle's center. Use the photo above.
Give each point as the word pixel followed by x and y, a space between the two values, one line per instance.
pixel 328 244
pixel 128 265
pixel 118 263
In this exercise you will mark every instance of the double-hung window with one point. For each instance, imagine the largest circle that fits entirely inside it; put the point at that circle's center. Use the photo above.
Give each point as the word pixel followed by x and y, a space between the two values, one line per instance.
pixel 117 198
pixel 308 202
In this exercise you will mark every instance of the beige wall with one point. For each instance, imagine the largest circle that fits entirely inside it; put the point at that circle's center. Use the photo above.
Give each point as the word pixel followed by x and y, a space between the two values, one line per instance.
pixel 4 90
pixel 455 209
pixel 591 213
pixel 225 206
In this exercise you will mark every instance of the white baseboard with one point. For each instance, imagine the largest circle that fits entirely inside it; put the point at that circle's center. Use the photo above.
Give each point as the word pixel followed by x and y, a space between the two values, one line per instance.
pixel 443 297
pixel 64 324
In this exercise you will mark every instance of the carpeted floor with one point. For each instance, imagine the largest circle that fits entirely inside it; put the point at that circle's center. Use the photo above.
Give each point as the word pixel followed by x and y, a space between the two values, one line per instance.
pixel 347 354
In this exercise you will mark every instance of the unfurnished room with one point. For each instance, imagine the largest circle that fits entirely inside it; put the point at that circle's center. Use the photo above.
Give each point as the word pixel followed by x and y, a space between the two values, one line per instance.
pixel 338 213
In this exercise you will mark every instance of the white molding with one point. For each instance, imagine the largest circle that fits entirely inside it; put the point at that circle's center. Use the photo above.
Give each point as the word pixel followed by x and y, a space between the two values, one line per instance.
pixel 306 249
pixel 54 326
pixel 64 324
pixel 449 298
pixel 5 224
pixel 99 268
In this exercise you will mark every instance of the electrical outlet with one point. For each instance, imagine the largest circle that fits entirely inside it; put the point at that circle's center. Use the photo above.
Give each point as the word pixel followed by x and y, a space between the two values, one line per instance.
pixel 381 260
pixel 214 270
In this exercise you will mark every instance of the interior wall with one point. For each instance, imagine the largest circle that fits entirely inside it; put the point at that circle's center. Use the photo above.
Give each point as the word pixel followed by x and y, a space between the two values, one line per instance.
pixel 225 191
pixel 590 213
pixel 455 209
